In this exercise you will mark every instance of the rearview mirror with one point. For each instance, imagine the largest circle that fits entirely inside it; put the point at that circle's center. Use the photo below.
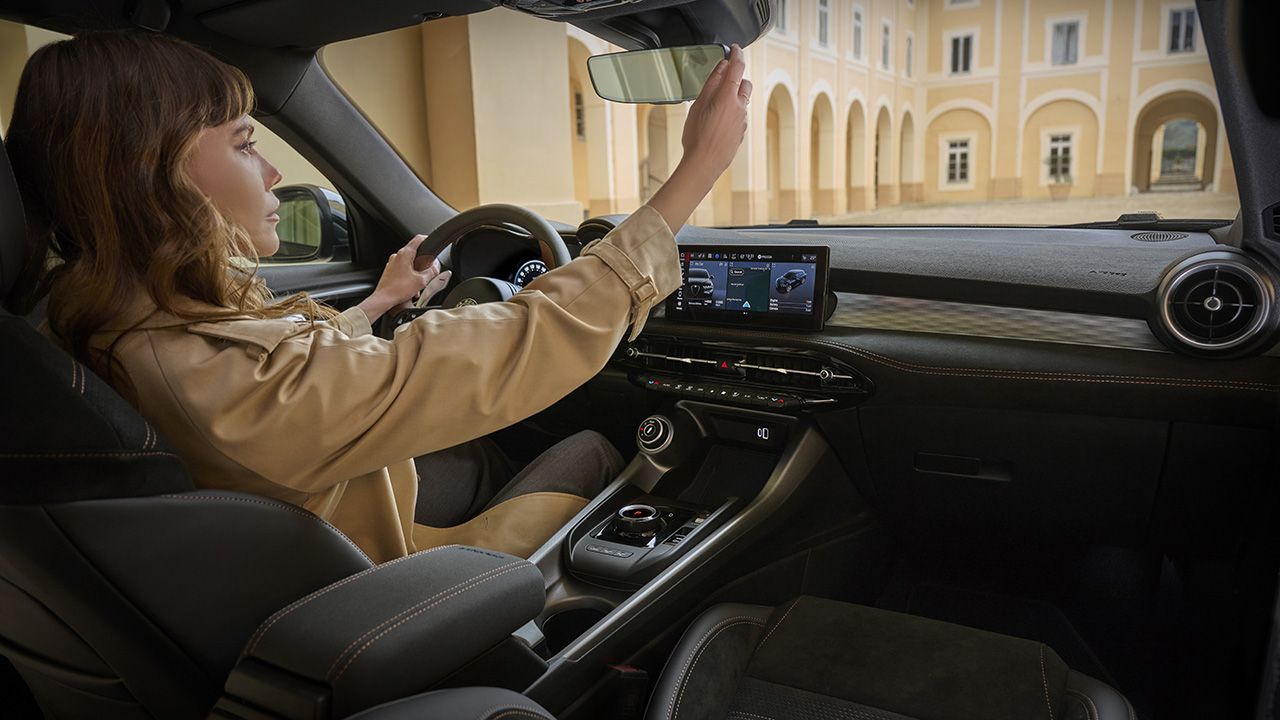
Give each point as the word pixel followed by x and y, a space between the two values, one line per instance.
pixel 664 75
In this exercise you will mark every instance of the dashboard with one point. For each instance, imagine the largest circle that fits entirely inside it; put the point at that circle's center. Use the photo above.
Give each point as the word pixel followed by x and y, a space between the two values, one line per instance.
pixel 1180 292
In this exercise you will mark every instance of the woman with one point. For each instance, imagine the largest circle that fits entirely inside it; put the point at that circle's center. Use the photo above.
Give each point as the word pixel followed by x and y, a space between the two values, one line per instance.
pixel 135 158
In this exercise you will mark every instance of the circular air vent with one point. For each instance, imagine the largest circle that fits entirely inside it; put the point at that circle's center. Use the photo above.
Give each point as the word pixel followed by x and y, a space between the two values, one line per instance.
pixel 1215 304
pixel 1158 236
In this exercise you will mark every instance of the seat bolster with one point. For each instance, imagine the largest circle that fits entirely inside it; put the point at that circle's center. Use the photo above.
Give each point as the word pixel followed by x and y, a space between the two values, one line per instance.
pixel 1098 700
pixel 703 672
pixel 472 703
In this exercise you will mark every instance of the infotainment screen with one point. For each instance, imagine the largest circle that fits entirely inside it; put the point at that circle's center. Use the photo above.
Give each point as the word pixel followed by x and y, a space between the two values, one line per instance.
pixel 761 286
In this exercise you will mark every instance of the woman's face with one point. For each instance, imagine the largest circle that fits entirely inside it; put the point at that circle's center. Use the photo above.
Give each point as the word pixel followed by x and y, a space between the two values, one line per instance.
pixel 238 181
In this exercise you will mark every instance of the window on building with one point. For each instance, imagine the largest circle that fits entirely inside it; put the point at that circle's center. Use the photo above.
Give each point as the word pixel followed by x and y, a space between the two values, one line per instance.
pixel 1059 160
pixel 1066 42
pixel 782 16
pixel 910 50
pixel 857 33
pixel 957 162
pixel 824 17
pixel 886 33
pixel 1182 30
pixel 579 115
pixel 961 54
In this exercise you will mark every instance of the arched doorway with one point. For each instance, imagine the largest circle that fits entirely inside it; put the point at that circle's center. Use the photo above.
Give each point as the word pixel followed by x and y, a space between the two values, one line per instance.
pixel 883 171
pixel 780 155
pixel 856 157
pixel 1175 143
pixel 909 187
pixel 1178 155
pixel 822 157
pixel 1060 147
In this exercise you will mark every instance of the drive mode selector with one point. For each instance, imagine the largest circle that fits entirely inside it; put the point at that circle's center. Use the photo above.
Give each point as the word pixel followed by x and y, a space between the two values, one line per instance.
pixel 654 433
pixel 638 521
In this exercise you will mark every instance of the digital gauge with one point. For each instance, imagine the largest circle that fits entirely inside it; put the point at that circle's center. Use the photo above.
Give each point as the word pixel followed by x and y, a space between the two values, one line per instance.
pixel 528 272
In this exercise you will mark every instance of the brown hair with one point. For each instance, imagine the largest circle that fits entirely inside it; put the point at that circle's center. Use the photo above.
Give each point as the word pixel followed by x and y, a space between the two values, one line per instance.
pixel 103 126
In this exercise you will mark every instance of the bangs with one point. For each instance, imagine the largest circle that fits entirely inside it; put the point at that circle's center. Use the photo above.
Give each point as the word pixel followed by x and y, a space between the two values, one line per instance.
pixel 222 92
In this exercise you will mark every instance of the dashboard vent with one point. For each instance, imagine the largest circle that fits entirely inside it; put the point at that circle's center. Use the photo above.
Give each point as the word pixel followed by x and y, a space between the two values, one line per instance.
pixel 723 362
pixel 1158 236
pixel 1216 304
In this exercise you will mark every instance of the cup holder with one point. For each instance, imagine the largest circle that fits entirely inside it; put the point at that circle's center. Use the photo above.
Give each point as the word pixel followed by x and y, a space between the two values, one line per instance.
pixel 563 627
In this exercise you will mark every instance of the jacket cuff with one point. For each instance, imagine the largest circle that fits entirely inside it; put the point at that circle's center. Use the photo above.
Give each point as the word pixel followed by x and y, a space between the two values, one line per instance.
pixel 642 251
pixel 353 322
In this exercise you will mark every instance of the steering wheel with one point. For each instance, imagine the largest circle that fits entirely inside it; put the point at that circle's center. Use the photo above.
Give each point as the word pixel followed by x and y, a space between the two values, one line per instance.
pixel 479 289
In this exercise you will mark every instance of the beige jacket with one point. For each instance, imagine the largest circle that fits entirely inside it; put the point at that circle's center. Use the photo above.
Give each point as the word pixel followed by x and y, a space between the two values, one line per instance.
pixel 329 416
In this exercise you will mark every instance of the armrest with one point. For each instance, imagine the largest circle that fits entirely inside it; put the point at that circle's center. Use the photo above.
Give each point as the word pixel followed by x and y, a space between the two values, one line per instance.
pixel 391 631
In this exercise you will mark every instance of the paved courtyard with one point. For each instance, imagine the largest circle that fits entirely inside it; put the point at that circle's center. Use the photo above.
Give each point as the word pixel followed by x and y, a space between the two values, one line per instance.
pixel 1211 205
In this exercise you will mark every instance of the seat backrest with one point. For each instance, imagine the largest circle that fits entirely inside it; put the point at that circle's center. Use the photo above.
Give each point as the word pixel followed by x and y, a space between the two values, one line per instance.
pixel 125 591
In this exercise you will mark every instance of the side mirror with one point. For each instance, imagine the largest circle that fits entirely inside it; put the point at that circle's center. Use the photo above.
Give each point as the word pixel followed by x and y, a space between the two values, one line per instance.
pixel 312 227
pixel 661 76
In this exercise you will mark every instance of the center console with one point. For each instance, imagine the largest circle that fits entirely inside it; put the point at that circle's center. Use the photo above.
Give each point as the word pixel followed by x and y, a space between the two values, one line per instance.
pixel 728 452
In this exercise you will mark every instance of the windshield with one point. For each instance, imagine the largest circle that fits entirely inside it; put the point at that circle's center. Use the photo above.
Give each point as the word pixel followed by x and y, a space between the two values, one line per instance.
pixel 905 112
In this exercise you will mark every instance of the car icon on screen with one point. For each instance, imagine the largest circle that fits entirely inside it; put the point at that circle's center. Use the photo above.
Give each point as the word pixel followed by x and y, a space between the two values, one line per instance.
pixel 790 280
pixel 699 283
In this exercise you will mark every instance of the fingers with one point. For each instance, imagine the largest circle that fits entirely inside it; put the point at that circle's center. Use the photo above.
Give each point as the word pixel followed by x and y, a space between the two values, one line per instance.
pixel 744 90
pixel 713 80
pixel 733 73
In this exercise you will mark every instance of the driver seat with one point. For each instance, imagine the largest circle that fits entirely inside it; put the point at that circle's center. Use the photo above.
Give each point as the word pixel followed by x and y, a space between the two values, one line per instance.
pixel 126 592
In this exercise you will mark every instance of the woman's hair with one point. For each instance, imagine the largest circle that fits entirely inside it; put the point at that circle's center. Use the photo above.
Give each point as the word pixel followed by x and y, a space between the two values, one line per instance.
pixel 103 127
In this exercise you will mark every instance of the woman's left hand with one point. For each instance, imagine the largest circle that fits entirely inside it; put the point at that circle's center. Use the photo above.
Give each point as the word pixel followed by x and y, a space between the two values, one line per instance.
pixel 403 278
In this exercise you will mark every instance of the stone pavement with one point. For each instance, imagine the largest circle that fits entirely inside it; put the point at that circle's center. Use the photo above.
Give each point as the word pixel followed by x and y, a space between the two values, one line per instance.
pixel 1170 205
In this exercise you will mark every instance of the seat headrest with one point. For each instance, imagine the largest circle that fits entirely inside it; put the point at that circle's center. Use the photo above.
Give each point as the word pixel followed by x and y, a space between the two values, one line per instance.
pixel 13 226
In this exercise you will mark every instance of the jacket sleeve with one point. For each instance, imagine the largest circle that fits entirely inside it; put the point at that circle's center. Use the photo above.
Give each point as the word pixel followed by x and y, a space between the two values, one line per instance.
pixel 328 405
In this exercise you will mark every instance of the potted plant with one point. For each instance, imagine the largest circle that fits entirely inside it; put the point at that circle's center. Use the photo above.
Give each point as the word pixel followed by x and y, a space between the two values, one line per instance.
pixel 1059 184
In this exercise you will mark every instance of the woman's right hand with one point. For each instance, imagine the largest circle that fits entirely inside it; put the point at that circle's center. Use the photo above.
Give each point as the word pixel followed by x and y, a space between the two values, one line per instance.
pixel 717 120
pixel 713 131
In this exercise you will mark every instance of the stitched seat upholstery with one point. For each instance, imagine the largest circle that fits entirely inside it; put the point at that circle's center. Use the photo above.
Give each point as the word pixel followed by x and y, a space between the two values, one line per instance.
pixel 815 659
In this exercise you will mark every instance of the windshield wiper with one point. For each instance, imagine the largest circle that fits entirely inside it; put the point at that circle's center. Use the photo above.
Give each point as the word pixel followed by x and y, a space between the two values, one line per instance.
pixel 1149 221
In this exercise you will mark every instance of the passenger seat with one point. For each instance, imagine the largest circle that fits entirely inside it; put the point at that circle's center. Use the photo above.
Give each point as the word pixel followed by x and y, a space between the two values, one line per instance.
pixel 817 659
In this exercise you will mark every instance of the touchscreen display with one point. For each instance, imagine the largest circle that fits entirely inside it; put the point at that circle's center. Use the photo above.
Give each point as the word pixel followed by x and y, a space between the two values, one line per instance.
pixel 755 285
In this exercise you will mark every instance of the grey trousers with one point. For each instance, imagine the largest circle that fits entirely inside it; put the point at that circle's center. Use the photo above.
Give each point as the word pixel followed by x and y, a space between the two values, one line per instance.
pixel 458 483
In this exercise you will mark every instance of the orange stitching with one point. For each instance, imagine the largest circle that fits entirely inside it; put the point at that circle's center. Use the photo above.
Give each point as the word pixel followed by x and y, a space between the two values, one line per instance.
pixel 400 614
pixel 279 615
pixel 1042 374
pixel 278 505
pixel 775 627
pixel 512 568
pixel 673 705
pixel 527 712
pixel 1045 681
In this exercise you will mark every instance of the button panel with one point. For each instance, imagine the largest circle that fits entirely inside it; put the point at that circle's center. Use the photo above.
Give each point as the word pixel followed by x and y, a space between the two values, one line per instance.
pixel 611 552
pixel 733 394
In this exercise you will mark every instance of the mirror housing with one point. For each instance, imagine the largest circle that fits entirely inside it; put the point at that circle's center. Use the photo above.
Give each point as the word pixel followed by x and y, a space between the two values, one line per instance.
pixel 660 76
pixel 313 225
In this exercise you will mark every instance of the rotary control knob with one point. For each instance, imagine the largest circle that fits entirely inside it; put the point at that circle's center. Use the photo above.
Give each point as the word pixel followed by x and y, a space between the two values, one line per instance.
pixel 654 434
pixel 638 521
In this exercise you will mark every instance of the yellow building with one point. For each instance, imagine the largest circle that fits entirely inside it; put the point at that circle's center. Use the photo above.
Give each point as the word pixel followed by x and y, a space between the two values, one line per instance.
pixel 858 104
